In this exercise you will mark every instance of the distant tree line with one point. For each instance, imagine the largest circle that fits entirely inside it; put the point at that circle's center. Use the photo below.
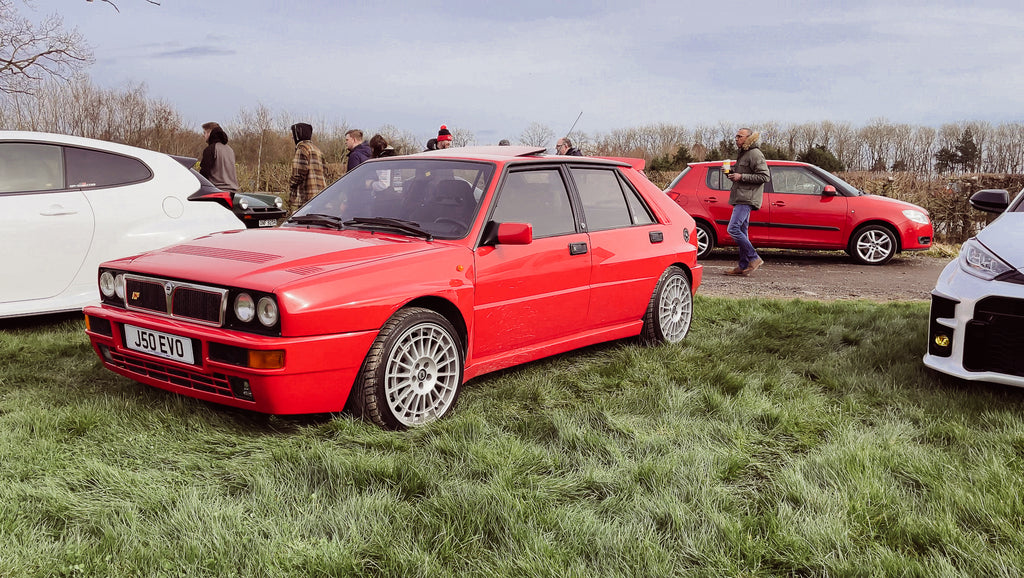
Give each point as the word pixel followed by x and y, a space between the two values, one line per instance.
pixel 261 138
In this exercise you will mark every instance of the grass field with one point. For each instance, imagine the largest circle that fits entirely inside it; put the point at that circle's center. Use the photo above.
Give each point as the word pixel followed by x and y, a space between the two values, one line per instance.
pixel 782 438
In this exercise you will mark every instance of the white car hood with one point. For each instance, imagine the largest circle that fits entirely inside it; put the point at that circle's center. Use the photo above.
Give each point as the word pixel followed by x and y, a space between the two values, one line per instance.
pixel 1005 238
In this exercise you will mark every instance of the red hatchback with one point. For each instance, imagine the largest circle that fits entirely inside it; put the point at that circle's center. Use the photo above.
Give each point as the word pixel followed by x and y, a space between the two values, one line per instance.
pixel 804 207
pixel 401 281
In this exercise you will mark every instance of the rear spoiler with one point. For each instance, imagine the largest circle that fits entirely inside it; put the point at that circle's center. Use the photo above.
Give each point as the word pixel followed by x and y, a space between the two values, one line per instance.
pixel 637 164
pixel 187 162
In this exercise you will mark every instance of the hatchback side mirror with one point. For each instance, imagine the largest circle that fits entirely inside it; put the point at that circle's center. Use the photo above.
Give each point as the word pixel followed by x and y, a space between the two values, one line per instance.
pixel 829 191
pixel 991 200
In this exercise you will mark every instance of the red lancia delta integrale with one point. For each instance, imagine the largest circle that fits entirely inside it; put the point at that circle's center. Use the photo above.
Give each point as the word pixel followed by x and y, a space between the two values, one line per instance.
pixel 401 281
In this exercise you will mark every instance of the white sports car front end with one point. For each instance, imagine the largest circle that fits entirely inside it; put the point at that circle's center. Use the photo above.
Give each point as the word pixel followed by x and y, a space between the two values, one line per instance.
pixel 976 324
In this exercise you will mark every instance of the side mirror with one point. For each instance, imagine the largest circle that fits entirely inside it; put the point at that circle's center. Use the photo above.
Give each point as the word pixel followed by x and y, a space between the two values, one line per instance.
pixel 991 200
pixel 508 234
pixel 829 191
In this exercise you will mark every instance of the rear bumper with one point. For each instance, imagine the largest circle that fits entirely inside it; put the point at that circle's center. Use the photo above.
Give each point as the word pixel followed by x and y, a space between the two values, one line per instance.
pixel 316 377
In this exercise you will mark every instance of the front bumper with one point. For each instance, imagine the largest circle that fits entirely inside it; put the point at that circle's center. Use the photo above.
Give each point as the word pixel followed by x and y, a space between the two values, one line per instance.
pixel 976 328
pixel 316 377
pixel 915 236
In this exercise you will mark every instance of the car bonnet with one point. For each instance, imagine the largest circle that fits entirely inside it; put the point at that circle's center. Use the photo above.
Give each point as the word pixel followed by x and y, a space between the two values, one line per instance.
pixel 1005 238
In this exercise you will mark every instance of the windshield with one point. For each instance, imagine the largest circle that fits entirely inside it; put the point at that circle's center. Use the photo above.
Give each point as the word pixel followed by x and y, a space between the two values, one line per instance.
pixel 439 198
pixel 844 187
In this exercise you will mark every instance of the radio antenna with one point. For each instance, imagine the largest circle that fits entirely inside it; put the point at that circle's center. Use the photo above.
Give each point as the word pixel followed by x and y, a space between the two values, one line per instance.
pixel 574 124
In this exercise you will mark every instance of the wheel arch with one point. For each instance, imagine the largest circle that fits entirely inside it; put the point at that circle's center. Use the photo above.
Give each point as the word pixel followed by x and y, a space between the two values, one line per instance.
pixel 449 311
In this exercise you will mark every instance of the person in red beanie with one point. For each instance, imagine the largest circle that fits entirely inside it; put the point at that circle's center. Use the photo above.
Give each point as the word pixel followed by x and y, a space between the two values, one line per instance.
pixel 444 138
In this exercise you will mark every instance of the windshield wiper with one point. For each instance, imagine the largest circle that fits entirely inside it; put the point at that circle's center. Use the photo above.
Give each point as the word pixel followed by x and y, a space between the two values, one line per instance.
pixel 392 224
pixel 317 219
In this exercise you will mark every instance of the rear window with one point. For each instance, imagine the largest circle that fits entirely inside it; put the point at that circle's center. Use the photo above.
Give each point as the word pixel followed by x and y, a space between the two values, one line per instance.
pixel 90 168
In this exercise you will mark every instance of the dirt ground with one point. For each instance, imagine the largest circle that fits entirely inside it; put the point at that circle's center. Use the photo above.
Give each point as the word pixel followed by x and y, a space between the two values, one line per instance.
pixel 822 276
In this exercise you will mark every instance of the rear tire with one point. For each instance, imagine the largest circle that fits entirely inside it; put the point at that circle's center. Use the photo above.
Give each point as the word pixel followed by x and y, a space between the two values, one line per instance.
pixel 670 310
pixel 412 373
pixel 705 239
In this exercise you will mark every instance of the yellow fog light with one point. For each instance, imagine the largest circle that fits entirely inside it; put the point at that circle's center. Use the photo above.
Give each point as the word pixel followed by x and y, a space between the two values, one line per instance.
pixel 273 359
pixel 942 340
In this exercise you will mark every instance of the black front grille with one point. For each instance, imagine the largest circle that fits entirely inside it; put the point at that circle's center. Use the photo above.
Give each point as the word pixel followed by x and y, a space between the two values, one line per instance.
pixel 995 337
pixel 197 304
pixel 166 373
pixel 145 294
pixel 176 299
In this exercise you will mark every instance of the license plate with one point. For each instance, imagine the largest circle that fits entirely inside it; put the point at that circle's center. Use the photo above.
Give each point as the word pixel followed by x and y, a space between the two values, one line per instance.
pixel 160 344
pixel 268 222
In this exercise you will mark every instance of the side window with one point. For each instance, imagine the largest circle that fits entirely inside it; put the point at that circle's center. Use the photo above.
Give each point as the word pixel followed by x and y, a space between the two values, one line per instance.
pixel 89 168
pixel 27 167
pixel 796 180
pixel 717 181
pixel 637 207
pixel 604 205
pixel 536 197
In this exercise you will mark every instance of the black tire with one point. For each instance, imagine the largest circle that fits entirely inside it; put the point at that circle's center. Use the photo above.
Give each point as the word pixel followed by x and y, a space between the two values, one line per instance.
pixel 873 245
pixel 670 310
pixel 705 239
pixel 413 372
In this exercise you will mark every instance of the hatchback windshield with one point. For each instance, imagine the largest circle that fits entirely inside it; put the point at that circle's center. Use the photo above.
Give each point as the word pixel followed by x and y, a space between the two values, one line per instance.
pixel 437 198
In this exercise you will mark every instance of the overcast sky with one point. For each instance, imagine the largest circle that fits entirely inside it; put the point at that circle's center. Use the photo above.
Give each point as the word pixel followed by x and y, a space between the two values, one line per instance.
pixel 492 68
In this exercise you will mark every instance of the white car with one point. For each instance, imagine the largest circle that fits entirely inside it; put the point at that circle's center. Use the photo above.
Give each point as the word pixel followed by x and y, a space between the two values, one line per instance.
pixel 70 203
pixel 976 329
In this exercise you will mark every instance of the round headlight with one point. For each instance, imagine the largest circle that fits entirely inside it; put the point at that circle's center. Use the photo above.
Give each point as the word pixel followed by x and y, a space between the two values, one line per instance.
pixel 245 308
pixel 278 203
pixel 119 285
pixel 244 203
pixel 107 284
pixel 267 310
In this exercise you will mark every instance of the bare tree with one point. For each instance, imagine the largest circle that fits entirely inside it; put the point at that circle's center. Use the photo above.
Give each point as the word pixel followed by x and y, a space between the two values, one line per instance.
pixel 31 53
pixel 537 135
pixel 462 137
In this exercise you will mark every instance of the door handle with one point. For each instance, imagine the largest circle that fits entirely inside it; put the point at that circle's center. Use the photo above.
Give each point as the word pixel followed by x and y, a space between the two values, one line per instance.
pixel 577 248
pixel 779 204
pixel 57 210
pixel 711 200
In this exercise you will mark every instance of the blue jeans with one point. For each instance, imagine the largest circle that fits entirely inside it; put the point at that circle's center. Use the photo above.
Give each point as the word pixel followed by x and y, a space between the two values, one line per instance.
pixel 737 229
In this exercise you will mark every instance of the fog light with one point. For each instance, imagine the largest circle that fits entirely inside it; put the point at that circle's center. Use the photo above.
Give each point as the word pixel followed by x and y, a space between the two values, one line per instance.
pixel 105 352
pixel 942 340
pixel 273 359
pixel 240 388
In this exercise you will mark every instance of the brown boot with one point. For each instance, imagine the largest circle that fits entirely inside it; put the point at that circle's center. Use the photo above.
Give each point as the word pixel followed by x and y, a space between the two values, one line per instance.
pixel 753 265
pixel 735 271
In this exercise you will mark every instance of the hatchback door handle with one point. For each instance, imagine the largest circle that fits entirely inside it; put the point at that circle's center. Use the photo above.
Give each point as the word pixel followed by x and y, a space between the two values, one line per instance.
pixel 577 248
pixel 779 204
pixel 57 210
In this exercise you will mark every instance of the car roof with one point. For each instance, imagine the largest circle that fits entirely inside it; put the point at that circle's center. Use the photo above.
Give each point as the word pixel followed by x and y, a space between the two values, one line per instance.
pixel 64 139
pixel 516 154
pixel 771 162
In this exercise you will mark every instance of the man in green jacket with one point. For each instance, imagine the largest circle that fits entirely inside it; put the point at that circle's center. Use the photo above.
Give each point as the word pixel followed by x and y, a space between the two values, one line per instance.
pixel 748 176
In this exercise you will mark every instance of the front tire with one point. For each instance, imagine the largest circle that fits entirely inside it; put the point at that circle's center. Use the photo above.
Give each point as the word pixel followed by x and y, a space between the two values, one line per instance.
pixel 873 245
pixel 412 373
pixel 705 240
pixel 670 310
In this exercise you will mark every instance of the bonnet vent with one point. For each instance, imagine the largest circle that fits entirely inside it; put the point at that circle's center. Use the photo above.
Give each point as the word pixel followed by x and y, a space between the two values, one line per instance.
pixel 226 254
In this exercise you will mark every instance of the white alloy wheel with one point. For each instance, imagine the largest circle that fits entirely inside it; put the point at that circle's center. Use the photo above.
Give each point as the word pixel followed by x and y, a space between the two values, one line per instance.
pixel 670 310
pixel 413 371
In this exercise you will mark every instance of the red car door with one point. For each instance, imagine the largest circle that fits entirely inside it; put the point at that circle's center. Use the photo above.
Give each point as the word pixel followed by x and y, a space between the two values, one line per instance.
pixel 625 241
pixel 713 192
pixel 527 295
pixel 802 213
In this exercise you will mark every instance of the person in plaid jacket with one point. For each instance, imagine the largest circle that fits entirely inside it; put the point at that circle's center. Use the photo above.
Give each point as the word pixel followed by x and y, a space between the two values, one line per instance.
pixel 309 175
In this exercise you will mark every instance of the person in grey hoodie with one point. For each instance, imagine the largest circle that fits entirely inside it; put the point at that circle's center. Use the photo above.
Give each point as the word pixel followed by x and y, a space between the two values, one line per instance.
pixel 748 176
pixel 218 162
